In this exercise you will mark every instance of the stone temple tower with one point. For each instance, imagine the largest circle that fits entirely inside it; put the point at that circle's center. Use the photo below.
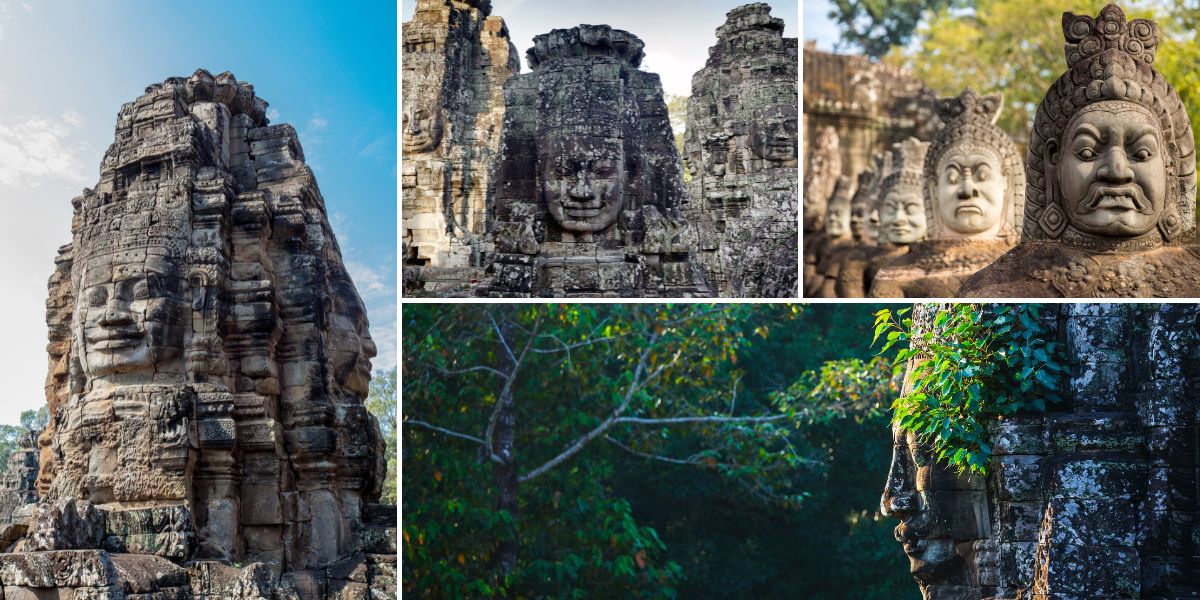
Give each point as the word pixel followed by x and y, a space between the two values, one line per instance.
pixel 209 360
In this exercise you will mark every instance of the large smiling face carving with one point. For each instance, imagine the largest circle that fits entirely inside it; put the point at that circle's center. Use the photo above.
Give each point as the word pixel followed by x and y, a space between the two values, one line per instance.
pixel 582 180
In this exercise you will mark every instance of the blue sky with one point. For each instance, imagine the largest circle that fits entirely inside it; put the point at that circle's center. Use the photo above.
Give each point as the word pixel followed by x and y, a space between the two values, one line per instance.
pixel 328 68
pixel 677 34
pixel 817 24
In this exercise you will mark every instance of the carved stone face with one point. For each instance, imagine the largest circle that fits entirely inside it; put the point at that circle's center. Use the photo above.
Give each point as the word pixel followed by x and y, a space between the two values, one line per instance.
pixel 902 217
pixel 131 323
pixel 872 227
pixel 775 139
pixel 837 221
pixel 422 128
pixel 582 179
pixel 1111 170
pixel 970 191
pixel 937 509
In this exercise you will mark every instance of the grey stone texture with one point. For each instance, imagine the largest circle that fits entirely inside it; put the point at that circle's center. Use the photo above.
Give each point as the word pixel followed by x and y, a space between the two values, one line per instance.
pixel 457 57
pixel 741 146
pixel 1093 498
pixel 974 193
pixel 1102 219
pixel 588 183
pixel 209 359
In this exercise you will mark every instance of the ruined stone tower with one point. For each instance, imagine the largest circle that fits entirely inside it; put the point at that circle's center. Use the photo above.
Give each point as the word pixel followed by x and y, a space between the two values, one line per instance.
pixel 741 145
pixel 209 359
pixel 456 60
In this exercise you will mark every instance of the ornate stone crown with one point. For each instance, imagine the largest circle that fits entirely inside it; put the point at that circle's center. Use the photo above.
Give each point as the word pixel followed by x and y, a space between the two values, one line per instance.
pixel 970 119
pixel 908 157
pixel 1110 59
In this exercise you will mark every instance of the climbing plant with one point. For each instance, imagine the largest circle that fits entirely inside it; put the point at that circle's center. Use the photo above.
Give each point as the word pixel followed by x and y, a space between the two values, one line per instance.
pixel 974 366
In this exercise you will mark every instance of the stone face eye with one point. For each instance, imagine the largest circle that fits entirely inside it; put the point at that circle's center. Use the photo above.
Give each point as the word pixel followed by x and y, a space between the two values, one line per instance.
pixel 952 175
pixel 1142 154
pixel 1086 154
pixel 982 172
pixel 98 296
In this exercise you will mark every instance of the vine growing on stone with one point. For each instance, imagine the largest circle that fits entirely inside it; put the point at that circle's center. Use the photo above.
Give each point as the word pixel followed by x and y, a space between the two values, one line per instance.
pixel 974 366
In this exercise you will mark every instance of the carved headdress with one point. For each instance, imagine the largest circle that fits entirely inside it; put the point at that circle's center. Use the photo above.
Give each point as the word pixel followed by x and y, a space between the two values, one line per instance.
pixel 906 174
pixel 1110 59
pixel 970 122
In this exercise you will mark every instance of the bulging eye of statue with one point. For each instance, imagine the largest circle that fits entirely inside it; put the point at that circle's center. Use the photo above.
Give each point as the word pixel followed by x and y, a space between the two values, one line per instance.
pixel 952 175
pixel 603 168
pixel 982 173
pixel 1142 154
pixel 1086 153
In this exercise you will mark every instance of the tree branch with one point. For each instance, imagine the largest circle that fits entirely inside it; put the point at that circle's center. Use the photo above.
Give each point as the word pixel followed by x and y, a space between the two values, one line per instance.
pixel 443 430
pixel 713 419
pixel 634 385
pixel 691 460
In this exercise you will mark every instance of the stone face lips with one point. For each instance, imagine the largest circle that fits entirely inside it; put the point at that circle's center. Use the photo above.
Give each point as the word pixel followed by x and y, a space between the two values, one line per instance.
pixel 588 186
pixel 209 358
pixel 741 144
pixel 456 60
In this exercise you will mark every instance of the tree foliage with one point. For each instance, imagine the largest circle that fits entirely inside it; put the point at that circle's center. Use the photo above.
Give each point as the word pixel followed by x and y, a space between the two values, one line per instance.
pixel 972 368
pixel 381 402
pixel 10 435
pixel 876 26
pixel 658 449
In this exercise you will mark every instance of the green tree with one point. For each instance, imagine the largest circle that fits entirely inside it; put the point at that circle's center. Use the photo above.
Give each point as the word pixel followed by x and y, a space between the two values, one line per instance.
pixel 381 402
pixel 876 26
pixel 739 421
pixel 31 420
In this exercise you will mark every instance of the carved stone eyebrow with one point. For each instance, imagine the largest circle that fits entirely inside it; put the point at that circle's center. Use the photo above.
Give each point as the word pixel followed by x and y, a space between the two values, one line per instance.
pixel 1089 129
pixel 1141 132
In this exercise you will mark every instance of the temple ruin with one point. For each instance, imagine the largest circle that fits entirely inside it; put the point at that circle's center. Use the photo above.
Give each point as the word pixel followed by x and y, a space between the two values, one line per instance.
pixel 741 144
pixel 1093 498
pixel 457 57
pixel 209 361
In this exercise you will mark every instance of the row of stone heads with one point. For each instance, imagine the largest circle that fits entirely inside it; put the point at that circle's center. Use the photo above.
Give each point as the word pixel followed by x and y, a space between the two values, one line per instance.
pixel 1110 164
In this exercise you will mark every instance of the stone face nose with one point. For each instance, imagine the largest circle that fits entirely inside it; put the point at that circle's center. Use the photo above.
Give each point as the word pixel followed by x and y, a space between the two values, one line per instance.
pixel 1116 167
pixel 582 189
pixel 967 189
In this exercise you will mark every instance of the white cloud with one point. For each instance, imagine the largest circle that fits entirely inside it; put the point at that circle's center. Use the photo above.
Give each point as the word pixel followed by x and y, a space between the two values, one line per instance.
pixel 676 74
pixel 317 123
pixel 36 149
pixel 370 282
pixel 272 115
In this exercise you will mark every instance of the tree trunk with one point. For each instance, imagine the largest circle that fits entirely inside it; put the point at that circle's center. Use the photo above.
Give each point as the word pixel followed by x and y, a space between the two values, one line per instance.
pixel 504 473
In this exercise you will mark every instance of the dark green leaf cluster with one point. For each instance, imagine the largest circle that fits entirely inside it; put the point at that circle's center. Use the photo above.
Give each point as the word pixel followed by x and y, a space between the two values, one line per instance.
pixel 973 366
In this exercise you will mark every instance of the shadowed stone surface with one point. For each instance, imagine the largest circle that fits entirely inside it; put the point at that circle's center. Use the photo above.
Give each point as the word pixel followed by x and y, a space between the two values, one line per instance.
pixel 741 143
pixel 588 182
pixel 457 57
pixel 974 193
pixel 1095 497
pixel 1105 218
pixel 209 358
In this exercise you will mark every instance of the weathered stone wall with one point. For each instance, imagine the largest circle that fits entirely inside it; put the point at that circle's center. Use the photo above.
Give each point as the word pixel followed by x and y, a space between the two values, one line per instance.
pixel 1097 496
pixel 588 183
pixel 209 359
pixel 741 143
pixel 456 59
pixel 871 106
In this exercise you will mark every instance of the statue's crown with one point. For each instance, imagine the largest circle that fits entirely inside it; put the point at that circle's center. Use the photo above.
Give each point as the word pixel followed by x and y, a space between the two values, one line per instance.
pixel 1088 36
pixel 969 107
